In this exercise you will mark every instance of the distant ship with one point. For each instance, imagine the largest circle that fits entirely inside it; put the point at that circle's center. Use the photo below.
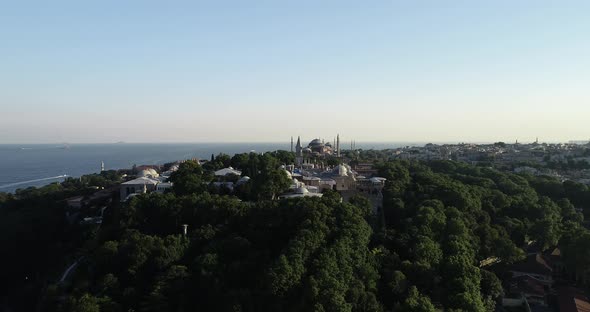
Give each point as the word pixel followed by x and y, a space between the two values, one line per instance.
pixel 64 146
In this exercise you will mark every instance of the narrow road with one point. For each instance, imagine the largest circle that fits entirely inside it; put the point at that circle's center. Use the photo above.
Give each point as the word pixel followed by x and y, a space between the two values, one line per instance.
pixel 69 270
pixel 75 264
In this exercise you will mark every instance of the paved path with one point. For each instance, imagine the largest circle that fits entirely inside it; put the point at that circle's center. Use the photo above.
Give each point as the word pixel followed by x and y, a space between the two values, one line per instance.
pixel 69 270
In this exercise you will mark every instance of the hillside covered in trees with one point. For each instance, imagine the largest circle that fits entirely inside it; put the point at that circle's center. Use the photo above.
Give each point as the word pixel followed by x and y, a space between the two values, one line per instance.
pixel 249 252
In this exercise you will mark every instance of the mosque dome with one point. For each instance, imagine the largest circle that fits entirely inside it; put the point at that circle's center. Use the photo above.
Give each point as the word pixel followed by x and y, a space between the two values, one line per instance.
pixel 316 142
pixel 301 190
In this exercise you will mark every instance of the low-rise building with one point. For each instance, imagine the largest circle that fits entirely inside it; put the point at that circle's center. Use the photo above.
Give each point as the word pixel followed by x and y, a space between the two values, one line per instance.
pixel 137 186
pixel 227 172
pixel 162 187
pixel 75 202
pixel 534 266
pixel 370 185
pixel 300 192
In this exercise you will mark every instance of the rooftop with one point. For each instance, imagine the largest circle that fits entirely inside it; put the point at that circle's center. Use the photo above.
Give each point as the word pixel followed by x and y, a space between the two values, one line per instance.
pixel 572 299
pixel 227 171
pixel 141 180
pixel 534 264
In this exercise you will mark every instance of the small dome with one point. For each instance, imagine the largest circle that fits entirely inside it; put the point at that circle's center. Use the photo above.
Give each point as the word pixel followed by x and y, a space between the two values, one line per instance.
pixel 301 190
pixel 148 173
pixel 143 173
pixel 342 170
pixel 243 180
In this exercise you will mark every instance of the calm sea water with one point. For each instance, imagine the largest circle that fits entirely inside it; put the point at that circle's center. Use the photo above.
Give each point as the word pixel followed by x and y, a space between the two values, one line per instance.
pixel 22 166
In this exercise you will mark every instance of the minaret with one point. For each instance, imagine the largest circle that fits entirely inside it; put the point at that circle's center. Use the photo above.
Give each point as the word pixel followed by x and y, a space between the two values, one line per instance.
pixel 298 148
pixel 338 144
pixel 299 152
pixel 291 144
pixel 101 166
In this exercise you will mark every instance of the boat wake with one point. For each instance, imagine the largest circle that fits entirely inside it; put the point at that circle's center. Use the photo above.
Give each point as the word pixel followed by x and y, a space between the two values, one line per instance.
pixel 32 181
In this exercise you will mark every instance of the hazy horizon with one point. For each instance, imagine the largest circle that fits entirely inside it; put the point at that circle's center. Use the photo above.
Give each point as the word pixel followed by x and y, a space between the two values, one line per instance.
pixel 263 71
pixel 304 141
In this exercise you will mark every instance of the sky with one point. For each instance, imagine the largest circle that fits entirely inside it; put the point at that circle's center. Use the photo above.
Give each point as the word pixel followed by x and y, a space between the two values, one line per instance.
pixel 263 71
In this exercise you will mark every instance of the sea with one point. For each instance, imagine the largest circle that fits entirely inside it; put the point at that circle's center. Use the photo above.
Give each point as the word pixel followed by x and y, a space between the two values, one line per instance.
pixel 26 165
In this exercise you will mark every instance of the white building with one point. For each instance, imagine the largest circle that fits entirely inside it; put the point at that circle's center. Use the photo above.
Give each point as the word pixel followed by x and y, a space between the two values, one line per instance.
pixel 227 172
pixel 140 185
pixel 163 186
pixel 300 192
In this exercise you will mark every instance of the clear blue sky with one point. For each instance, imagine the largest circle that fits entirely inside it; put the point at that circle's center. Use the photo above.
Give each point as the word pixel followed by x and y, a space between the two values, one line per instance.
pixel 194 71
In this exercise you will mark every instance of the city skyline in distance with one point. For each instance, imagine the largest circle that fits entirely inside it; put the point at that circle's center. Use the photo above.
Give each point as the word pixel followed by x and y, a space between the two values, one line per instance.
pixel 304 139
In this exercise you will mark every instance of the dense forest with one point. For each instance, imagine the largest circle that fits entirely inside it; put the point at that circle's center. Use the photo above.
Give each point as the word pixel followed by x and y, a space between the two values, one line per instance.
pixel 246 251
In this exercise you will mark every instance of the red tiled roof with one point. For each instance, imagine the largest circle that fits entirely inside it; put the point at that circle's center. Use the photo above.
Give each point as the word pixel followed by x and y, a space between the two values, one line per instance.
pixel 572 300
pixel 534 264
pixel 530 286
